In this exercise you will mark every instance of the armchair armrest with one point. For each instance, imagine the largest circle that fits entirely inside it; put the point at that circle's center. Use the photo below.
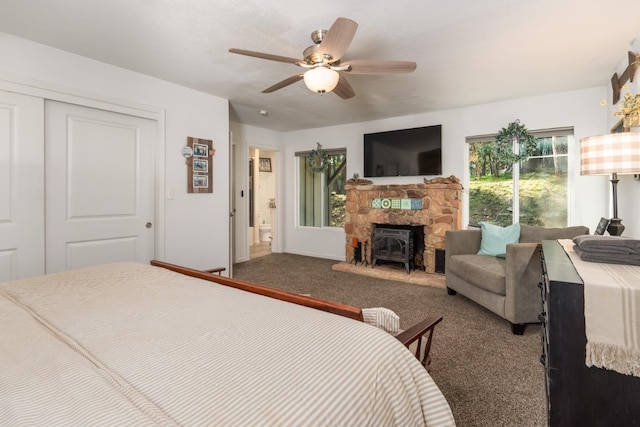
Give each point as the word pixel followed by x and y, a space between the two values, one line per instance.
pixel 416 333
pixel 522 275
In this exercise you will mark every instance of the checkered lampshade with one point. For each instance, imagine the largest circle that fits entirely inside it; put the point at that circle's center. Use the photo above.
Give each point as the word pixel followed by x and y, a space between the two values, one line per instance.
pixel 612 153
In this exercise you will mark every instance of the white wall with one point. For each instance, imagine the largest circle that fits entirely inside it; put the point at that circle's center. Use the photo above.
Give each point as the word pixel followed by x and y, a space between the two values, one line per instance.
pixel 579 109
pixel 628 188
pixel 193 227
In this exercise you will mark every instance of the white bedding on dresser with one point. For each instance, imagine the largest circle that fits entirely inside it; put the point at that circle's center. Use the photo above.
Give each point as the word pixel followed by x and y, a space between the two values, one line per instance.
pixel 131 344
pixel 611 312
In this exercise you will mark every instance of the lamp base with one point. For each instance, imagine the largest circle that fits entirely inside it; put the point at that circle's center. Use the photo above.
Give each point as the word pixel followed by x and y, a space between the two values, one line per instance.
pixel 615 227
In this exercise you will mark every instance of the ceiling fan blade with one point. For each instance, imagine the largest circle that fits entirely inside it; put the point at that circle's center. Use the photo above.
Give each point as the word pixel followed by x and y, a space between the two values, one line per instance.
pixel 369 66
pixel 338 38
pixel 343 89
pixel 268 56
pixel 284 83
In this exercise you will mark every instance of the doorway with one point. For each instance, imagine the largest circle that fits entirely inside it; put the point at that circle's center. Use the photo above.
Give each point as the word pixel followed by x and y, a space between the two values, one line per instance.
pixel 262 201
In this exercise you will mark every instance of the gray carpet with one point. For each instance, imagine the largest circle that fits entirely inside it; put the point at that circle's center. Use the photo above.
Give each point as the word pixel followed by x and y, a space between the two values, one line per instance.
pixel 489 376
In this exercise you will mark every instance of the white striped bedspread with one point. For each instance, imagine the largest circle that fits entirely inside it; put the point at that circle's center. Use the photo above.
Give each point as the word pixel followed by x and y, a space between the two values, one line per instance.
pixel 131 344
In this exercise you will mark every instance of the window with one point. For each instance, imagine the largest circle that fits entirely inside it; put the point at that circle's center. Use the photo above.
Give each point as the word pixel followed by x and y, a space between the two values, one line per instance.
pixel 322 196
pixel 533 192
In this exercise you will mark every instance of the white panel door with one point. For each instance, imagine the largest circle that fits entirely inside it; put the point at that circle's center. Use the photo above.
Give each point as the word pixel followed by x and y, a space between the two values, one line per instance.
pixel 21 186
pixel 99 187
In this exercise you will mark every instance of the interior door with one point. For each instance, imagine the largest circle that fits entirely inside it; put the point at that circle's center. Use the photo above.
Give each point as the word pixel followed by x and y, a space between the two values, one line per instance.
pixel 21 186
pixel 99 187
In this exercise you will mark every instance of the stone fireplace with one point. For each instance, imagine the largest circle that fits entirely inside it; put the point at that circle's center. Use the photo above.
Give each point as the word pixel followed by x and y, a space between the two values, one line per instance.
pixel 435 205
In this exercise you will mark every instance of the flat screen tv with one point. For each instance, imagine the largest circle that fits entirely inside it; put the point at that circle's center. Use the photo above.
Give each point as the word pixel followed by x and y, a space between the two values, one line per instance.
pixel 405 152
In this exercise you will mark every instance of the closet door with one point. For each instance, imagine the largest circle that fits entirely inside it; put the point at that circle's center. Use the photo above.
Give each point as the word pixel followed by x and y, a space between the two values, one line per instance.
pixel 21 186
pixel 99 187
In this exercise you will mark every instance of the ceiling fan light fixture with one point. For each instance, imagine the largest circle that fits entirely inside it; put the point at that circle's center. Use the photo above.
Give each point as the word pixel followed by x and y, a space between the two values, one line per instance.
pixel 321 79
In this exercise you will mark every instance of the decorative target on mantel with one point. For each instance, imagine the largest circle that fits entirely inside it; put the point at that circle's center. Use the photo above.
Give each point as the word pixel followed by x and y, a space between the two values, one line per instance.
pixel 199 155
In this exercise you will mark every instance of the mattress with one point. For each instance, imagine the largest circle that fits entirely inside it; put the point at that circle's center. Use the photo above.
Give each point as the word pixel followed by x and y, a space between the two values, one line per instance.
pixel 131 344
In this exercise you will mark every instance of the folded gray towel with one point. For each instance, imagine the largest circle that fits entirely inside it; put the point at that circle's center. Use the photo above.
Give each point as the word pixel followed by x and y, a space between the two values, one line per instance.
pixel 607 258
pixel 608 249
pixel 608 244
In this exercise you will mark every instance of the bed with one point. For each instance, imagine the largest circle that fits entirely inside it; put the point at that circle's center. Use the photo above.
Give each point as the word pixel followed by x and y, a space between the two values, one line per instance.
pixel 135 344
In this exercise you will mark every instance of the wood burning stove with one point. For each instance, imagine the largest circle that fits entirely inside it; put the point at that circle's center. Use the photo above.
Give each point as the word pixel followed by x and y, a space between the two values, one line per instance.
pixel 391 244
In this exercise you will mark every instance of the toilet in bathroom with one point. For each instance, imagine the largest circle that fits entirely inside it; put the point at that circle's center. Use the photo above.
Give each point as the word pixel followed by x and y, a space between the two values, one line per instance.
pixel 265 232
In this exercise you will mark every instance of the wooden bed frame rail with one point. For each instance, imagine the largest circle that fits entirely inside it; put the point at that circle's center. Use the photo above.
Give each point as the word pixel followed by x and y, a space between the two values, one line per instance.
pixel 320 304
pixel 414 334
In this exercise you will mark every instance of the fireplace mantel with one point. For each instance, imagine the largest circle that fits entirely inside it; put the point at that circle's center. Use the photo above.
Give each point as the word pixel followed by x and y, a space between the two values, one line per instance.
pixel 434 204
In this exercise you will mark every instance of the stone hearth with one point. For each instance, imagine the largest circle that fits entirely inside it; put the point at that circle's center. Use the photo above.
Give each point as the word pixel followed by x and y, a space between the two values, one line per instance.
pixel 439 211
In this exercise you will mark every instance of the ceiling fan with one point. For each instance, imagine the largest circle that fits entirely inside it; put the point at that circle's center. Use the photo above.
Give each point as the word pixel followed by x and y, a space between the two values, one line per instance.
pixel 323 62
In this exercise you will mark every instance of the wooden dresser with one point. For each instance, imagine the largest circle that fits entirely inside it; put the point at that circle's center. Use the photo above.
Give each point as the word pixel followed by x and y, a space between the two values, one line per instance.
pixel 577 395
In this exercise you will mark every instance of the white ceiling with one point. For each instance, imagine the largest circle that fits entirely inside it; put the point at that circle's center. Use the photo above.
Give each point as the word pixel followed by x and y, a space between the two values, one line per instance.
pixel 468 52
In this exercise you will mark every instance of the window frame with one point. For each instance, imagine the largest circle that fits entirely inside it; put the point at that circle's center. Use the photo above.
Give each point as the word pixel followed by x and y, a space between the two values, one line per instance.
pixel 550 132
pixel 325 215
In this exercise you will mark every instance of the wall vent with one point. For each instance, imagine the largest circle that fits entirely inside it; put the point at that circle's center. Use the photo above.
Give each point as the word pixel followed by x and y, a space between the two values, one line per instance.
pixel 440 261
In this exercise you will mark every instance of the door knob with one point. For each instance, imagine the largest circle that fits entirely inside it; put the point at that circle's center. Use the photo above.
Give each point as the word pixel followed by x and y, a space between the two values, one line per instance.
pixel 149 225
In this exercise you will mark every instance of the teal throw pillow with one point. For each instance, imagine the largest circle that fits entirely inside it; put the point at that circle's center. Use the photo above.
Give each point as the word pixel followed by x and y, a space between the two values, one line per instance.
pixel 494 239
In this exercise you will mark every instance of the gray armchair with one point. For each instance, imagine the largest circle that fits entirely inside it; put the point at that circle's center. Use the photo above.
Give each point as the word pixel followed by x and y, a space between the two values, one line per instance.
pixel 508 287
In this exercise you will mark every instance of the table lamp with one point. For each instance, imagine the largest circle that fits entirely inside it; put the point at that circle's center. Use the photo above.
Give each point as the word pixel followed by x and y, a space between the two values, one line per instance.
pixel 615 153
